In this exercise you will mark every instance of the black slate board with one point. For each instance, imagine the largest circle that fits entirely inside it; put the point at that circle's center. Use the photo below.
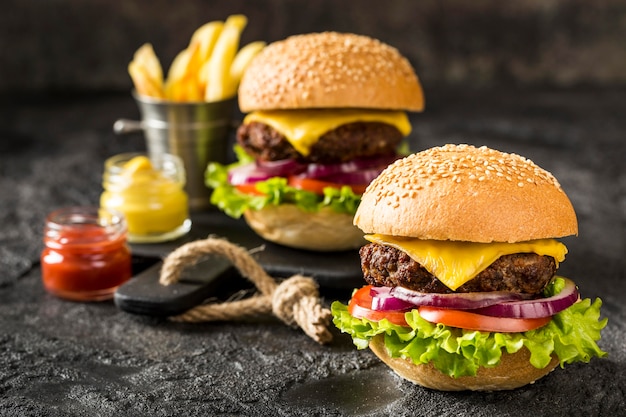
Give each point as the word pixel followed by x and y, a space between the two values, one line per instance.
pixel 144 295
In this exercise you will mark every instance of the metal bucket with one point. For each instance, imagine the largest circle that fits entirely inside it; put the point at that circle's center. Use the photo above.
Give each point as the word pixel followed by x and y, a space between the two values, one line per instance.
pixel 196 132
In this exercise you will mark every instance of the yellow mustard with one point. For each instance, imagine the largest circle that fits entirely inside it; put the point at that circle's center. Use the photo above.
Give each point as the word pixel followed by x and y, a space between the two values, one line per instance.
pixel 150 193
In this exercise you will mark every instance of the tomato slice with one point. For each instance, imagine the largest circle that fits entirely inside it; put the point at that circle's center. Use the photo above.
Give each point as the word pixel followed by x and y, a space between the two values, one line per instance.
pixel 317 186
pixel 248 189
pixel 360 306
pixel 474 321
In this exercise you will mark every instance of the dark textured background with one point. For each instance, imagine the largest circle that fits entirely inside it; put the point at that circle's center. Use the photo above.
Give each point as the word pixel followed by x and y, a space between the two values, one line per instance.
pixel 76 45
pixel 545 79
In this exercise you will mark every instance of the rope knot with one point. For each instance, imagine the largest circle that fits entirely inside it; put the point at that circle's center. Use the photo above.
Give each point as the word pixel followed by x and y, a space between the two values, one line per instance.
pixel 289 293
pixel 295 300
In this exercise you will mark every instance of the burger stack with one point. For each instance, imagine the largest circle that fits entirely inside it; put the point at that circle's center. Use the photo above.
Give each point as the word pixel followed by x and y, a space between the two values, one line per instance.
pixel 327 112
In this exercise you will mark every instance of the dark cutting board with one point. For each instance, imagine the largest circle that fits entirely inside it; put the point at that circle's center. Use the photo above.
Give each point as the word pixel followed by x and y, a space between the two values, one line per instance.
pixel 144 295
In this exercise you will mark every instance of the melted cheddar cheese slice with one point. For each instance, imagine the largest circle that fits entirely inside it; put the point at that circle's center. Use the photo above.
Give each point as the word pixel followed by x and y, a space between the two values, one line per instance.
pixel 303 128
pixel 455 263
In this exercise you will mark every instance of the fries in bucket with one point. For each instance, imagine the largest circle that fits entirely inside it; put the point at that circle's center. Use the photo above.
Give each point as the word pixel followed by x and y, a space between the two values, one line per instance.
pixel 208 69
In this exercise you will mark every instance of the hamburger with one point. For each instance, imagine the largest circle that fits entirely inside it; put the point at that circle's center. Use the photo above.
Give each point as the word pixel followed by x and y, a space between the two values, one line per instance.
pixel 462 291
pixel 326 113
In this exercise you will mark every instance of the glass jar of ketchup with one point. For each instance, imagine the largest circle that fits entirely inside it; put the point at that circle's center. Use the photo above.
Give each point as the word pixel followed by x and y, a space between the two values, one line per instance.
pixel 86 256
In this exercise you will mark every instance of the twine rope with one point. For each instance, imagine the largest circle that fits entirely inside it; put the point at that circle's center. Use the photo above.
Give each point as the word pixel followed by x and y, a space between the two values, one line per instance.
pixel 295 300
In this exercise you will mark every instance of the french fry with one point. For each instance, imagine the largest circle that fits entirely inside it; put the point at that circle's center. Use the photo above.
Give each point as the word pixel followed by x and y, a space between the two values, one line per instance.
pixel 219 85
pixel 209 69
pixel 206 36
pixel 146 57
pixel 183 63
pixel 203 77
pixel 243 58
pixel 144 84
pixel 146 72
pixel 182 80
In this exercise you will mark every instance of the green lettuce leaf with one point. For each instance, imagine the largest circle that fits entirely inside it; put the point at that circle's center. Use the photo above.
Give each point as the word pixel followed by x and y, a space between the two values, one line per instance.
pixel 571 336
pixel 234 203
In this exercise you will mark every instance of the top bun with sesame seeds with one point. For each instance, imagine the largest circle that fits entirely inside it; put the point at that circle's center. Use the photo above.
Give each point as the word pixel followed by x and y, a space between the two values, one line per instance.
pixel 327 113
pixel 330 70
pixel 464 193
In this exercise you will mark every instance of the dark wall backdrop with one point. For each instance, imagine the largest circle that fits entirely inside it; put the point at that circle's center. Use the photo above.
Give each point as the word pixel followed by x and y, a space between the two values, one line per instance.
pixel 79 45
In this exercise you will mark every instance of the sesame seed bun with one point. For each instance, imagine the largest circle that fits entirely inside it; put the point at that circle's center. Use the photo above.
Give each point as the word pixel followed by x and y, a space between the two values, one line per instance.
pixel 330 70
pixel 513 371
pixel 323 231
pixel 464 193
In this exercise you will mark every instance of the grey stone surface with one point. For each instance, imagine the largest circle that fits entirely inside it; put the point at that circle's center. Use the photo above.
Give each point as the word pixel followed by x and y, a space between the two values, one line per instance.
pixel 60 358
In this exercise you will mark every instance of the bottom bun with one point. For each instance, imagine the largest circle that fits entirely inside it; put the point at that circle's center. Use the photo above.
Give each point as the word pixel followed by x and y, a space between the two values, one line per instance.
pixel 513 371
pixel 325 230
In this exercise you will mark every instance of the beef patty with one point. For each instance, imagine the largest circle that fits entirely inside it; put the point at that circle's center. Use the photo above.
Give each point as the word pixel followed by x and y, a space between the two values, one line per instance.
pixel 521 272
pixel 347 142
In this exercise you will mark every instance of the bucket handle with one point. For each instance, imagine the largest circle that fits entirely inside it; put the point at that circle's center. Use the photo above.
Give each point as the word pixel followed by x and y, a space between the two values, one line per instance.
pixel 123 126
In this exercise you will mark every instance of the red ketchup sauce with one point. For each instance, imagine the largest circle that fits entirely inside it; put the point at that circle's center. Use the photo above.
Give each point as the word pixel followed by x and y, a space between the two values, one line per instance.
pixel 86 256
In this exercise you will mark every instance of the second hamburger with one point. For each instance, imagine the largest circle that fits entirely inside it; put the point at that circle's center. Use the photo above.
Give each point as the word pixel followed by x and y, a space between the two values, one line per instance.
pixel 327 114
pixel 461 268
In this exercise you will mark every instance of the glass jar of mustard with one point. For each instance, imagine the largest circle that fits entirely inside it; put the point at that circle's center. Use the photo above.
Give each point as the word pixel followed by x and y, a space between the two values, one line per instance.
pixel 85 255
pixel 149 191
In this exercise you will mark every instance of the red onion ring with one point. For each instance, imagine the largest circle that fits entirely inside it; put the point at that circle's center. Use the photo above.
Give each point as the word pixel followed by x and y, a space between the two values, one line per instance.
pixel 382 300
pixel 358 171
pixel 281 168
pixel 457 301
pixel 356 177
pixel 542 307
pixel 316 170
pixel 246 174
pixel 263 170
